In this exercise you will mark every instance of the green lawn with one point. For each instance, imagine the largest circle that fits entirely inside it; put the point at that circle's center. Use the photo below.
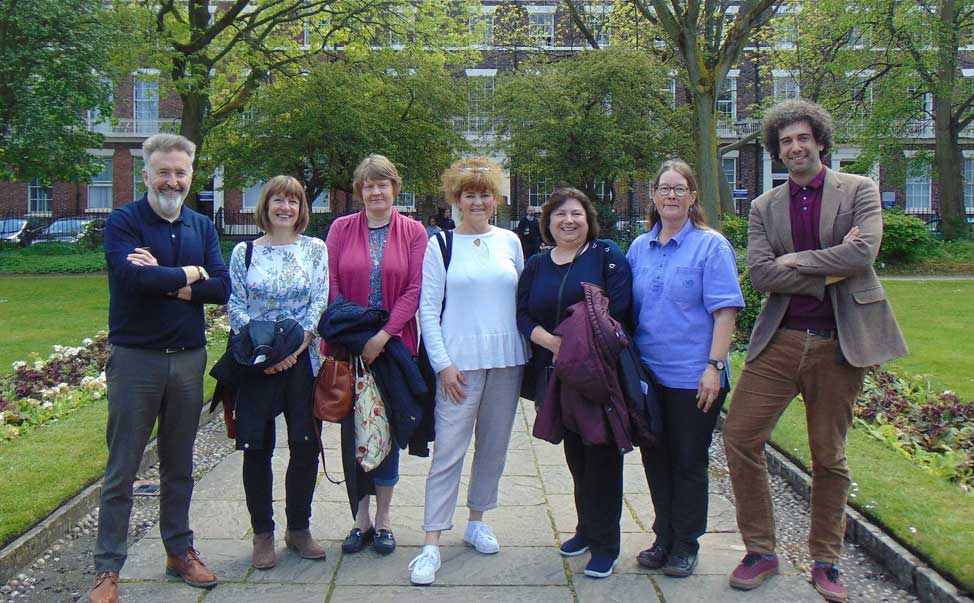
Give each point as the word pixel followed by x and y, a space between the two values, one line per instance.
pixel 937 318
pixel 38 312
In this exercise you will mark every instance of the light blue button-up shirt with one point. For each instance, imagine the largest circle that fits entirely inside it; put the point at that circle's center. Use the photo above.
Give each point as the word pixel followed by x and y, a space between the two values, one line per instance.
pixel 676 289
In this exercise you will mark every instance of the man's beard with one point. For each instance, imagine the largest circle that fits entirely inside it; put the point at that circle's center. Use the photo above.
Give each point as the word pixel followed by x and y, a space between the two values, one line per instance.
pixel 169 201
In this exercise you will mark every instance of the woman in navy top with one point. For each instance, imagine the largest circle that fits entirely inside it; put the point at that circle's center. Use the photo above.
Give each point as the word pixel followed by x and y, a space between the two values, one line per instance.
pixel 686 296
pixel 568 221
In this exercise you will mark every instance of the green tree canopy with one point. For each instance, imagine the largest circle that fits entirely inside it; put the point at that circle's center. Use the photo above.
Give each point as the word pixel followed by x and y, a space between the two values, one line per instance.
pixel 53 69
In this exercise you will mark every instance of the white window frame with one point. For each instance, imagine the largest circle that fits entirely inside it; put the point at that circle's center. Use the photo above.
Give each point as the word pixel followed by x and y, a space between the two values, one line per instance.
pixel 730 103
pixel 730 159
pixel 138 181
pixel 250 196
pixel 38 194
pixel 918 189
pixel 539 189
pixel 481 85
pixel 483 34
pixel 968 171
pixel 322 203
pixel 145 106
pixel 597 19
pixel 405 202
pixel 541 25
pixel 783 82
pixel 97 188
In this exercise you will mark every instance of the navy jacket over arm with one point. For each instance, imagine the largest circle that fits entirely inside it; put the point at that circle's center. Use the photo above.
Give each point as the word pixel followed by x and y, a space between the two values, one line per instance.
pixel 142 311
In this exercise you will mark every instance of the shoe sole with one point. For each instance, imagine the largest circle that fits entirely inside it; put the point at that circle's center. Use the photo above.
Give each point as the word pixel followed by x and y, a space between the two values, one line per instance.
pixel 264 567
pixel 574 553
pixel 753 582
pixel 829 596
pixel 174 574
pixel 595 574
pixel 323 554
pixel 494 552
pixel 673 572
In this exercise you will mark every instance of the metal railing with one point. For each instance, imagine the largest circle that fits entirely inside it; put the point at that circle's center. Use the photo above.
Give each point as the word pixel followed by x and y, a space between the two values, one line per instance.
pixel 132 127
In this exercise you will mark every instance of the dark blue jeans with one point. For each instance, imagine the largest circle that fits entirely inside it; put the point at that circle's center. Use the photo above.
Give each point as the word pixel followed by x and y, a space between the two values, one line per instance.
pixel 597 473
pixel 677 469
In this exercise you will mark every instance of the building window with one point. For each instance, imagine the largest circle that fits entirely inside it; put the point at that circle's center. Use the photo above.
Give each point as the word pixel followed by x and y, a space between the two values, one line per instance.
pixel 597 21
pixel 251 195
pixel 539 189
pixel 321 203
pixel 969 185
pixel 145 105
pixel 38 197
pixel 727 101
pixel 100 189
pixel 918 187
pixel 603 192
pixel 138 182
pixel 405 201
pixel 729 165
pixel 785 87
pixel 482 28
pixel 480 105
pixel 671 93
pixel 542 28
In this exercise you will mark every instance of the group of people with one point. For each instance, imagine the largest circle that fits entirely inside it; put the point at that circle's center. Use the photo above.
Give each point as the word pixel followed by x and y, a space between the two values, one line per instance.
pixel 494 327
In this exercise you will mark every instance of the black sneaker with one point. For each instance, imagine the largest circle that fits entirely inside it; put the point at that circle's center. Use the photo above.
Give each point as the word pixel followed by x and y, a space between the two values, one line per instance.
pixel 680 565
pixel 385 542
pixel 358 540
pixel 652 558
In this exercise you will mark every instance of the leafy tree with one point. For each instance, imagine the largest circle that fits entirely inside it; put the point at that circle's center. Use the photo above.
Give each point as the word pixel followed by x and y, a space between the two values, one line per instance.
pixel 319 126
pixel 53 68
pixel 589 118
pixel 216 62
pixel 707 40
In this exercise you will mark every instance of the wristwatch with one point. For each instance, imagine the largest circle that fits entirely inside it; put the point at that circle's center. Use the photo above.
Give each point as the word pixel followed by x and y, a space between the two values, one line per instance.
pixel 717 364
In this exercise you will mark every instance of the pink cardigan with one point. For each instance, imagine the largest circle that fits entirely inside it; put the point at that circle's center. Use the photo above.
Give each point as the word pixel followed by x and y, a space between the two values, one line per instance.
pixel 349 266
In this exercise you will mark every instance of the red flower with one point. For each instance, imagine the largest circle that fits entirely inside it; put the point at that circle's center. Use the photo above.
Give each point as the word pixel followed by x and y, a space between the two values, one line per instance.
pixel 377 412
pixel 361 449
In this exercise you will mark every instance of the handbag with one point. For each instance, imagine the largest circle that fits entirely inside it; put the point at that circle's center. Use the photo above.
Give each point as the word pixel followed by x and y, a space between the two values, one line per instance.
pixel 333 390
pixel 373 437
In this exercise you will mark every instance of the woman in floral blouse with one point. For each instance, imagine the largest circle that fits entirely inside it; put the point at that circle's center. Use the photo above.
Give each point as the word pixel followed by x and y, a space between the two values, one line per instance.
pixel 287 278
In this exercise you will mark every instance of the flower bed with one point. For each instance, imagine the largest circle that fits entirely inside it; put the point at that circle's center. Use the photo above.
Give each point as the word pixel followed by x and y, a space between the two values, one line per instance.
pixel 40 391
pixel 933 429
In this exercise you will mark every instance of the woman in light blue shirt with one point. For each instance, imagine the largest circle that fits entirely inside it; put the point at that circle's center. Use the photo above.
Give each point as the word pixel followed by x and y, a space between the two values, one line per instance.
pixel 686 296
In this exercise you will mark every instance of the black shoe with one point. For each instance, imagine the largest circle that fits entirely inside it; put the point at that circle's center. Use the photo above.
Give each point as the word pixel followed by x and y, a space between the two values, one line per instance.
pixel 652 558
pixel 357 540
pixel 680 565
pixel 385 542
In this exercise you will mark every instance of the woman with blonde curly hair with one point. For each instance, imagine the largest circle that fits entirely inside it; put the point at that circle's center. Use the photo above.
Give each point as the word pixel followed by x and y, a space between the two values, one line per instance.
pixel 478 356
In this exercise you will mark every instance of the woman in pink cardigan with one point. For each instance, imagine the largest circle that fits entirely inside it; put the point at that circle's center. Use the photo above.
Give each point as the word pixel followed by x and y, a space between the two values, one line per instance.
pixel 375 259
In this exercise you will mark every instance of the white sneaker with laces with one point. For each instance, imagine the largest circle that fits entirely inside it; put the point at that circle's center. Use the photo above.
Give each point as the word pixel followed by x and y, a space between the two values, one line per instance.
pixel 423 567
pixel 481 537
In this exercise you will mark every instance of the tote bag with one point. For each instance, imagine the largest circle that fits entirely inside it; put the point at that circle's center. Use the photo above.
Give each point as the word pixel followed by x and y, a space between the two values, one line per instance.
pixel 373 439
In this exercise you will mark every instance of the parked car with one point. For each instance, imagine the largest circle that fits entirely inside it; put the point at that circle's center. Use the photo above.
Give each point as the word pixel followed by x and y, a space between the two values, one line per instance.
pixel 20 231
pixel 66 230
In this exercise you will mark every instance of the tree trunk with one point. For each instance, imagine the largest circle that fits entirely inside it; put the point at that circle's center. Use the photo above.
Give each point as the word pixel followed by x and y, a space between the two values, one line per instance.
pixel 708 167
pixel 948 163
pixel 192 127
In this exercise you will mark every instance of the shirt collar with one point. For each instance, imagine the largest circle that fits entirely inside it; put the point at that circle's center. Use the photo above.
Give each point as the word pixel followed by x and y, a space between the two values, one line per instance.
pixel 815 184
pixel 677 238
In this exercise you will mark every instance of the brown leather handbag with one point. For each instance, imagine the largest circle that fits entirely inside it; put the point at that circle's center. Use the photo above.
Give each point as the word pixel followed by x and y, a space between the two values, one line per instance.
pixel 333 390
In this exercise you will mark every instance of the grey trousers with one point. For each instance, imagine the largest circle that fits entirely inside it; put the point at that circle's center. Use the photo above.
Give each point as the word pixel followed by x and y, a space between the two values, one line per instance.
pixel 489 409
pixel 144 385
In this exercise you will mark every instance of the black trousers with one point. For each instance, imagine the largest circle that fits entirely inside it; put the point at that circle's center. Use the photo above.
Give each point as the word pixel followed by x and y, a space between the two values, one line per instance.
pixel 597 473
pixel 299 482
pixel 677 469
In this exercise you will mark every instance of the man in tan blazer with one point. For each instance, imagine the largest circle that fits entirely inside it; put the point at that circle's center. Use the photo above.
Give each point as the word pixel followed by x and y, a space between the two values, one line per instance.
pixel 811 246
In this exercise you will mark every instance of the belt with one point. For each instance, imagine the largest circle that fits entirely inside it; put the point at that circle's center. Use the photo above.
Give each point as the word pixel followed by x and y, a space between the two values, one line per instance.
pixel 827 333
pixel 175 350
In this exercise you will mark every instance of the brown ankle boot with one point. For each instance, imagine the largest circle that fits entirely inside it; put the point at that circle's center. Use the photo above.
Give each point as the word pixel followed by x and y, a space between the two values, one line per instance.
pixel 190 568
pixel 105 589
pixel 264 557
pixel 302 542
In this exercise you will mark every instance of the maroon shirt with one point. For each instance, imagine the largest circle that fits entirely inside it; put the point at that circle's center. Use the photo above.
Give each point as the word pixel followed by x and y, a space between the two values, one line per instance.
pixel 805 205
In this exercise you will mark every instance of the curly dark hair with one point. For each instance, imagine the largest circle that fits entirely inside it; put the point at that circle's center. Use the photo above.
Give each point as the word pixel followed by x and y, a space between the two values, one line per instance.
pixel 785 113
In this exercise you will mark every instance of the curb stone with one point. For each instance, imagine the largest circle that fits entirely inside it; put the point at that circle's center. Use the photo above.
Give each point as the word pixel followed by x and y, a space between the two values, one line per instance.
pixel 907 569
pixel 20 553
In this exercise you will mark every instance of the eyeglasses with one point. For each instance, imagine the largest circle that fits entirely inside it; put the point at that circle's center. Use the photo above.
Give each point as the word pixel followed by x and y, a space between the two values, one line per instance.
pixel 474 169
pixel 679 191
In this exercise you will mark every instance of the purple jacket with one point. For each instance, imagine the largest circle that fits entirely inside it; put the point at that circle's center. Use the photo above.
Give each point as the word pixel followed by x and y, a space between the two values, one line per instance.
pixel 584 394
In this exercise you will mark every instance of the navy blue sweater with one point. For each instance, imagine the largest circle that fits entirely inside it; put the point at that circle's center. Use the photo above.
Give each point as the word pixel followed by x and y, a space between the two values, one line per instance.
pixel 142 313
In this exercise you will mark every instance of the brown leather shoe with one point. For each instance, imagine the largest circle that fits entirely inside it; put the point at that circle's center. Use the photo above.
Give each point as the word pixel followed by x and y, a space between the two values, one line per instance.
pixel 191 569
pixel 302 542
pixel 264 556
pixel 105 589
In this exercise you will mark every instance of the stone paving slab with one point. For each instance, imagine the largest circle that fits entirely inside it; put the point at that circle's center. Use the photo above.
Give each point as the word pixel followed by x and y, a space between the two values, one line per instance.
pixel 536 511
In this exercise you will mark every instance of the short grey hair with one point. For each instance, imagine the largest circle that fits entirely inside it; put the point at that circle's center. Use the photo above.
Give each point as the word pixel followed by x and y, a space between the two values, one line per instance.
pixel 163 143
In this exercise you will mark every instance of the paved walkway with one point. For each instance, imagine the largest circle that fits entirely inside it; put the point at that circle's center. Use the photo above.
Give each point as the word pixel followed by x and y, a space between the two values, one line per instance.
pixel 536 513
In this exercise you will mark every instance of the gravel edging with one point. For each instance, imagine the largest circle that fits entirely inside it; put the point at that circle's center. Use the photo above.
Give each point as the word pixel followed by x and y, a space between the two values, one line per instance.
pixel 24 550
pixel 907 569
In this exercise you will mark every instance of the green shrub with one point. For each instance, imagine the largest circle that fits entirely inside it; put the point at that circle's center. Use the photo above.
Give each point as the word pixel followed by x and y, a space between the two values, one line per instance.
pixel 50 258
pixel 93 236
pixel 905 238
pixel 753 299
pixel 734 228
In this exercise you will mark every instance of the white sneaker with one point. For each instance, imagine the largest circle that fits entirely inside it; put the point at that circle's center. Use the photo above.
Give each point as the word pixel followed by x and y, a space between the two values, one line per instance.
pixel 481 537
pixel 423 567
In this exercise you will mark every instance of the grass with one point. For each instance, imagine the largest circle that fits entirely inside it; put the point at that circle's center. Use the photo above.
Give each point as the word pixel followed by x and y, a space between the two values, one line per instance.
pixel 936 320
pixel 51 258
pixel 36 313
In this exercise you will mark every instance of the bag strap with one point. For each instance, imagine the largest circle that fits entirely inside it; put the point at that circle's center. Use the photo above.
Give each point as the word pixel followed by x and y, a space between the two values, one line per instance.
pixel 321 451
pixel 564 279
pixel 446 251
pixel 249 255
